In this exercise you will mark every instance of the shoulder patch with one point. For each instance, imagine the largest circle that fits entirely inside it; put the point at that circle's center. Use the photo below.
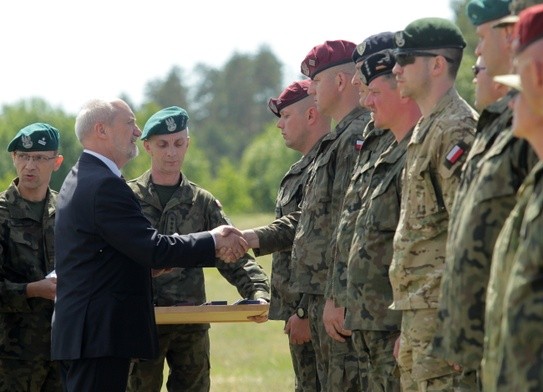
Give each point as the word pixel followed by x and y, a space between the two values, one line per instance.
pixel 455 154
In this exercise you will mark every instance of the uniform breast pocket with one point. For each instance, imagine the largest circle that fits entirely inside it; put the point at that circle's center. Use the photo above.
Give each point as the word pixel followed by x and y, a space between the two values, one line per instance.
pixel 384 206
pixel 25 234
pixel 289 199
pixel 425 204
pixel 496 179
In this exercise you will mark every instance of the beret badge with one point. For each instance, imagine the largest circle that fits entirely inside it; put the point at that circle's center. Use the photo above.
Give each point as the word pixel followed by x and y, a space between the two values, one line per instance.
pixel 399 39
pixel 361 48
pixel 26 141
pixel 170 124
pixel 305 69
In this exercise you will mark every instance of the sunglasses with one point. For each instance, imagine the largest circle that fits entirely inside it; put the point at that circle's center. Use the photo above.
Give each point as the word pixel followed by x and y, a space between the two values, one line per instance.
pixel 476 69
pixel 406 58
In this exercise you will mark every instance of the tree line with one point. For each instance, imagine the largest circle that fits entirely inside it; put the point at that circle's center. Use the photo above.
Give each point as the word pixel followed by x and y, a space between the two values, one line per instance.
pixel 236 151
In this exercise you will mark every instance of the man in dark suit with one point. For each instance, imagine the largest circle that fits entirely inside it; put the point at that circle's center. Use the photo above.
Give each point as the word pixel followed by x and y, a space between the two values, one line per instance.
pixel 105 250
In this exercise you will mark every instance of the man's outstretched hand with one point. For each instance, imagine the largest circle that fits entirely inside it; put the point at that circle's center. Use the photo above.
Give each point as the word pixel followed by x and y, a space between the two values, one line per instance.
pixel 229 243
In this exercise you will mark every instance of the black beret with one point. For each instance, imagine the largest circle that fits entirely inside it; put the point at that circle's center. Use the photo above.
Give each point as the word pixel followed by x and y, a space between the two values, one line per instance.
pixel 372 45
pixel 376 65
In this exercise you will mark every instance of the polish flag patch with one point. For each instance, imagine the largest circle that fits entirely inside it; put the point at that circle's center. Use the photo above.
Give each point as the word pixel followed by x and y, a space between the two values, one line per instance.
pixel 455 154
pixel 359 144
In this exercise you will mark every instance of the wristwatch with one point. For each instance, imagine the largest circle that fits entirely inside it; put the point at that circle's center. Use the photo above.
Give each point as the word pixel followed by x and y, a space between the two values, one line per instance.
pixel 301 312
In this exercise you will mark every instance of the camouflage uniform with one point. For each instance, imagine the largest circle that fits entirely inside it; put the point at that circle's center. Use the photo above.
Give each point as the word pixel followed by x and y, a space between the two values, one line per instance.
pixel 522 342
pixel 375 327
pixel 510 246
pixel 496 167
pixel 435 155
pixel 313 247
pixel 26 255
pixel 284 300
pixel 190 209
pixel 375 141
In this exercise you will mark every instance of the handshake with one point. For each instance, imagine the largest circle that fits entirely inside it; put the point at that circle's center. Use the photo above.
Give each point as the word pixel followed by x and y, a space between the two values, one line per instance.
pixel 231 243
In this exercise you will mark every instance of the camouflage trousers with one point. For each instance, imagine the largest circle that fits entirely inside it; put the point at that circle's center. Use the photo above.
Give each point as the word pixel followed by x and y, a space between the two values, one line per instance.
pixel 29 376
pixel 377 364
pixel 337 363
pixel 187 355
pixel 419 370
pixel 305 367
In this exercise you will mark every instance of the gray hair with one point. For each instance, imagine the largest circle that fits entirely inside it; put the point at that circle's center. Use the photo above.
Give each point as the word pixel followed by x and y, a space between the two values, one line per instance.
pixel 92 112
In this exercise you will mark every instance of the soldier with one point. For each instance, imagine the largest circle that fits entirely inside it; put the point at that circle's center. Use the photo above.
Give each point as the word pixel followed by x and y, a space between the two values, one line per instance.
pixel 330 68
pixel 173 204
pixel 375 328
pixel 513 362
pixel 428 54
pixel 495 168
pixel 28 286
pixel 375 141
pixel 303 127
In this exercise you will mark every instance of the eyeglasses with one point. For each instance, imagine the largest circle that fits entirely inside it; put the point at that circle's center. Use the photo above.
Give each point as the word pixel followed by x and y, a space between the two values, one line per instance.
pixel 24 157
pixel 476 69
pixel 406 58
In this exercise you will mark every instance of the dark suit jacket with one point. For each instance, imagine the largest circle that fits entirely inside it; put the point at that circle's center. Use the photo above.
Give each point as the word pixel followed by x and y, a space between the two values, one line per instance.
pixel 105 248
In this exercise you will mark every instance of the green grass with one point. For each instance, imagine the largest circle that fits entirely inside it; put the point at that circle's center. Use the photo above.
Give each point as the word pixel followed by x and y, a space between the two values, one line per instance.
pixel 246 357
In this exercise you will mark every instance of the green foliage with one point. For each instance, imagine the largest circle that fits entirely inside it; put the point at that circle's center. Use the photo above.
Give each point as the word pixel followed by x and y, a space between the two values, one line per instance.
pixel 169 92
pixel 231 188
pixel 231 103
pixel 264 163
pixel 464 80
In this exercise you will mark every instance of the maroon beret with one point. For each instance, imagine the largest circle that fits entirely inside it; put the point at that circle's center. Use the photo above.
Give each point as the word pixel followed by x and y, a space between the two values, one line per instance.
pixel 529 27
pixel 327 55
pixel 292 94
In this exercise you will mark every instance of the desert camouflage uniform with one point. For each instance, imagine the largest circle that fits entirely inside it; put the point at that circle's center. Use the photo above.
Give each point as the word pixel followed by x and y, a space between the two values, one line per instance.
pixel 496 167
pixel 284 300
pixel 522 341
pixel 26 255
pixel 190 209
pixel 510 241
pixel 434 159
pixel 376 327
pixel 314 243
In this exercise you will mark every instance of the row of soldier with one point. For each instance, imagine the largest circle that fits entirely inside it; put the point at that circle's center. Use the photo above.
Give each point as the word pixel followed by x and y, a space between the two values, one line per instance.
pixel 384 241
pixel 398 232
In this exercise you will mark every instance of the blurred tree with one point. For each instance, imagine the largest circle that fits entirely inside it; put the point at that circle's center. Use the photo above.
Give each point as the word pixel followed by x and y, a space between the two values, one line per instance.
pixel 168 92
pixel 231 188
pixel 232 103
pixel 464 80
pixel 264 163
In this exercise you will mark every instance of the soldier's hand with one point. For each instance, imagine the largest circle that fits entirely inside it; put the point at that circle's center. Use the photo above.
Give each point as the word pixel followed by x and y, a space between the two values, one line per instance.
pixel 262 318
pixel 333 319
pixel 298 330
pixel 45 288
pixel 251 238
pixel 229 243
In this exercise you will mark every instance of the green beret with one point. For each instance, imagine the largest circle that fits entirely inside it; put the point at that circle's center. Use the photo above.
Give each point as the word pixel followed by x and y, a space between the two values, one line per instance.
pixel 36 137
pixel 170 120
pixel 429 33
pixel 482 11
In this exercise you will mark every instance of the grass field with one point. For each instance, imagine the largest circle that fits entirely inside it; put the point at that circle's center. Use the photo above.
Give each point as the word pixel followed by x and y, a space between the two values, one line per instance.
pixel 246 357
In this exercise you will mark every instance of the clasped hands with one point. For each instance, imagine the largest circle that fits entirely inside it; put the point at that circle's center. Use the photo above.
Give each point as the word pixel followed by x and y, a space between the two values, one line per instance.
pixel 229 243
